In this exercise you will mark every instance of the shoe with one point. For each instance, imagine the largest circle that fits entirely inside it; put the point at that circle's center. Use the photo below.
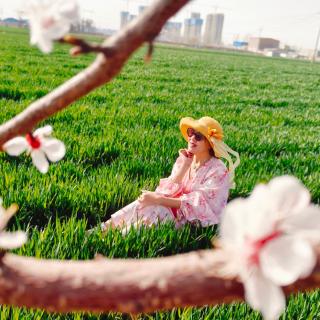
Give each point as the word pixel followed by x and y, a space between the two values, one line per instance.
pixel 103 227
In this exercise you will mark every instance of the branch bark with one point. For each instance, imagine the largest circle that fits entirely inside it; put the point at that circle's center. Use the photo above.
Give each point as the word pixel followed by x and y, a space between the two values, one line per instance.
pixel 128 286
pixel 101 71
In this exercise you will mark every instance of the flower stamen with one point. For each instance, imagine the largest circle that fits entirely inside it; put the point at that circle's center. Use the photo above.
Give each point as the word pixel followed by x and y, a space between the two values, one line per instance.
pixel 257 245
pixel 34 142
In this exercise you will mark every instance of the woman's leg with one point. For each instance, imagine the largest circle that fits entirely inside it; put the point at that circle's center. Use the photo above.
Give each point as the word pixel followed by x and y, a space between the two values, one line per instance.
pixel 124 217
pixel 149 216
pixel 154 214
pixel 133 216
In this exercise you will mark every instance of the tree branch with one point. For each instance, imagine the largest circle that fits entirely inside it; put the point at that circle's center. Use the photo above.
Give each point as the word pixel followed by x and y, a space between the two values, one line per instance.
pixel 128 286
pixel 144 29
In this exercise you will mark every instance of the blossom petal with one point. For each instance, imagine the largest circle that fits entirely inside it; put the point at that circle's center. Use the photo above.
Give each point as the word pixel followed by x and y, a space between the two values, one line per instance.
pixel 263 295
pixel 260 216
pixel 288 195
pixel 261 194
pixel 69 10
pixel 16 146
pixel 50 20
pixel 12 240
pixel 231 226
pixel 44 44
pixel 54 149
pixel 305 224
pixel 58 31
pixel 245 219
pixel 286 259
pixel 40 161
pixel 44 131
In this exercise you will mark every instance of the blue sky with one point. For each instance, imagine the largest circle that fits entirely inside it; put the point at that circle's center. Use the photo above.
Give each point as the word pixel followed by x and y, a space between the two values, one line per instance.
pixel 291 21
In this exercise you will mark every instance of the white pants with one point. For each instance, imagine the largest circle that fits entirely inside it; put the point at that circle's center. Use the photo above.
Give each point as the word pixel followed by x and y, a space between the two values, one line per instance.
pixel 132 215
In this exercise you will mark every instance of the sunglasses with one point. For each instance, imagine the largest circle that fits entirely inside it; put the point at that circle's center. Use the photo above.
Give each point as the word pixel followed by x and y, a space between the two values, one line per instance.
pixel 197 135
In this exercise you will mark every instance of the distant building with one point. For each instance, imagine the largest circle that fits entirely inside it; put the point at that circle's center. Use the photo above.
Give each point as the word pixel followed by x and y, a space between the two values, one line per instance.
pixel 132 17
pixel 260 44
pixel 13 22
pixel 286 52
pixel 107 32
pixel 192 29
pixel 273 52
pixel 124 18
pixel 306 54
pixel 240 44
pixel 171 32
pixel 141 9
pixel 213 29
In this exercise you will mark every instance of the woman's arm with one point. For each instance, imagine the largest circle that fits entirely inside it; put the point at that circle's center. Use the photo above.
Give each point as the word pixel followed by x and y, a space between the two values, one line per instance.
pixel 169 202
pixel 172 186
pixel 149 198
pixel 178 177
pixel 185 162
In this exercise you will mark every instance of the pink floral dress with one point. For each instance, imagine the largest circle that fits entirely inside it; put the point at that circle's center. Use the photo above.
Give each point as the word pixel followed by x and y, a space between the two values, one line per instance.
pixel 202 198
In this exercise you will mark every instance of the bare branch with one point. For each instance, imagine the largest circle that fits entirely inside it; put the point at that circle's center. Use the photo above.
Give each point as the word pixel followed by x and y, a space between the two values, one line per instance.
pixel 128 286
pixel 148 56
pixel 102 70
pixel 81 46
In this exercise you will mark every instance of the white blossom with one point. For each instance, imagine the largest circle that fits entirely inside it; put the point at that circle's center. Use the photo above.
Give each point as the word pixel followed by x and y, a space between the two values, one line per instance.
pixel 10 240
pixel 50 20
pixel 40 145
pixel 267 241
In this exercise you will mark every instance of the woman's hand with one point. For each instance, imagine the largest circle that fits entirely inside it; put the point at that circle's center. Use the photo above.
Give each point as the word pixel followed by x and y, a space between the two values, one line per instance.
pixel 187 157
pixel 149 198
pixel 184 162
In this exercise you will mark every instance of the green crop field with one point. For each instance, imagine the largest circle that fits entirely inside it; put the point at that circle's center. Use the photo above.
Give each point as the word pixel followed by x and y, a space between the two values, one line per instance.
pixel 124 137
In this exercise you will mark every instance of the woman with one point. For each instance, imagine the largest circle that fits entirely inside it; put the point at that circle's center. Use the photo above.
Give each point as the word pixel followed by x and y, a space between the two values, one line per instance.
pixel 196 190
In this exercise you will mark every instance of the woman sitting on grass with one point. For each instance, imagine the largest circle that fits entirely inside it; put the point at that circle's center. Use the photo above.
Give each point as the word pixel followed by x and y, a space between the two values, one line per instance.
pixel 196 190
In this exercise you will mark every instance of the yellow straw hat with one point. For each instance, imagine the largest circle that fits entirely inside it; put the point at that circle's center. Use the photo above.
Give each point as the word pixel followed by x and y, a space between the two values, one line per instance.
pixel 212 130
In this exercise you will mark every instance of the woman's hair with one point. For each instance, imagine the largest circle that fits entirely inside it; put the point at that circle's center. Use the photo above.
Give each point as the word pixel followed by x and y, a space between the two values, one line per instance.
pixel 211 152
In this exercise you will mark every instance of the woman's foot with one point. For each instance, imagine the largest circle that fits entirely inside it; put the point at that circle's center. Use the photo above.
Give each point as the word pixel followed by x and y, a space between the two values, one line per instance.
pixel 104 226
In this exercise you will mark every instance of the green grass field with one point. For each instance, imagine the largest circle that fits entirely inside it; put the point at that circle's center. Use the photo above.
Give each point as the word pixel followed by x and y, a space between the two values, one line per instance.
pixel 124 137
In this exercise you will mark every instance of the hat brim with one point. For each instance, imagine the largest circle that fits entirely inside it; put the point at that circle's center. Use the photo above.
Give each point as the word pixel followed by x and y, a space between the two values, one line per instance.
pixel 188 122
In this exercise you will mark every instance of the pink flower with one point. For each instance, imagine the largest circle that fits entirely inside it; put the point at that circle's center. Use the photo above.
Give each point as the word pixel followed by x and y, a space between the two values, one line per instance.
pixel 50 20
pixel 267 241
pixel 40 145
